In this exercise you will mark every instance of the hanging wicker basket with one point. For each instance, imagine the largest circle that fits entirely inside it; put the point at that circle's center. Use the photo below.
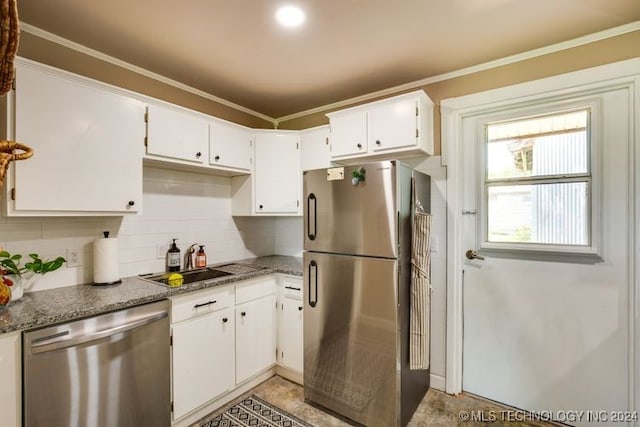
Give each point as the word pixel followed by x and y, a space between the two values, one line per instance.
pixel 11 150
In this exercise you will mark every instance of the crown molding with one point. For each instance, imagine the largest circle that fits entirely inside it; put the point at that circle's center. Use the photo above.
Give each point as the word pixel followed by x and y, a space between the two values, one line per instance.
pixel 31 29
pixel 590 38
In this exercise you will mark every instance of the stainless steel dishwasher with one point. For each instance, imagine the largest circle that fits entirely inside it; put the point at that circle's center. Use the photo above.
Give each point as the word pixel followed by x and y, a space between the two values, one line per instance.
pixel 110 370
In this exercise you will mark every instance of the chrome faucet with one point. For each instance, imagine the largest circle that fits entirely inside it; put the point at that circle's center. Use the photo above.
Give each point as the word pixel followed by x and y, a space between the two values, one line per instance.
pixel 188 257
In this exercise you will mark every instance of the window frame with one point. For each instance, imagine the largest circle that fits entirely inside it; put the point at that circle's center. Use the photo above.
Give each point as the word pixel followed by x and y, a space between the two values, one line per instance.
pixel 592 177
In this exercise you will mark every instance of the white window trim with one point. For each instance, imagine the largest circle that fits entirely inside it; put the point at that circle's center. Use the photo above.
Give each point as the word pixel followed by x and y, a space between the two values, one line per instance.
pixel 583 253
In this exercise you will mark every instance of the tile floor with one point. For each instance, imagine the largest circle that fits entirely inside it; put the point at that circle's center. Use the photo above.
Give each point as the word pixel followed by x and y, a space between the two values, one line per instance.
pixel 436 409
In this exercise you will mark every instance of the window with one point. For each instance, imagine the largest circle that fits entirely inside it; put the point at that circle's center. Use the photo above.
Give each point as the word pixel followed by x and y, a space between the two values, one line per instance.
pixel 537 186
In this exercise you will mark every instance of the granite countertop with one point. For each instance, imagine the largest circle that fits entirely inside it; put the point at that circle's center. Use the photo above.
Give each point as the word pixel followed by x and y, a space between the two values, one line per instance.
pixel 43 308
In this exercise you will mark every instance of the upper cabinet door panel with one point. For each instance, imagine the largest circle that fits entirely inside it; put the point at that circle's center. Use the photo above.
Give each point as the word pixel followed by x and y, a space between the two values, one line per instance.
pixel 88 144
pixel 230 146
pixel 176 134
pixel 349 134
pixel 393 125
pixel 277 175
pixel 315 151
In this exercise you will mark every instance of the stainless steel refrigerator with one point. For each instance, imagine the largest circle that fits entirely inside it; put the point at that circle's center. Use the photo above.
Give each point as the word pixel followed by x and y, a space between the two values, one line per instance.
pixel 357 273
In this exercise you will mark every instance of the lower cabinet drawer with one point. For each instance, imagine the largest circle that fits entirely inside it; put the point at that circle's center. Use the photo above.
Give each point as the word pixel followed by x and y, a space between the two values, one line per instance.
pixel 200 302
pixel 255 288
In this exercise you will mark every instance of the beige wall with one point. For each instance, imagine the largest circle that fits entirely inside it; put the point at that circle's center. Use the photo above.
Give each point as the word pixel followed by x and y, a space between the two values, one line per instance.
pixel 614 49
pixel 47 52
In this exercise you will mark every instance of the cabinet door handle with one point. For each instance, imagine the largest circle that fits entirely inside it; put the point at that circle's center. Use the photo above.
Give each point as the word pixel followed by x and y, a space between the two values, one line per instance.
pixel 225 320
pixel 204 304
pixel 359 146
pixel 260 207
pixel 314 265
pixel 310 235
pixel 198 154
pixel 216 158
pixel 292 288
pixel 299 308
pixel 378 142
pixel 243 313
pixel 131 203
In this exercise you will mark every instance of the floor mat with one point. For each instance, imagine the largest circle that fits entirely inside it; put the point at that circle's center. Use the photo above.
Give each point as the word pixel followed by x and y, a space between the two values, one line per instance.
pixel 254 411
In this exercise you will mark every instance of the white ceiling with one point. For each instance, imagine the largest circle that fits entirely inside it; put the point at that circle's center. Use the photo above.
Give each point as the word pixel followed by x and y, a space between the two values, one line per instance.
pixel 233 49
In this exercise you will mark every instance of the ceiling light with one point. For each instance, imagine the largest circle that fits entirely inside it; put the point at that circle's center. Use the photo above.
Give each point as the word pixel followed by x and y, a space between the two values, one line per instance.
pixel 290 16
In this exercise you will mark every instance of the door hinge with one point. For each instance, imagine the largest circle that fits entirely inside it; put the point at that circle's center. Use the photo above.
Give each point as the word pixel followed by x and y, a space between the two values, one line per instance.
pixel 417 133
pixel 276 353
pixel 13 193
pixel 417 111
pixel 171 406
pixel 13 84
pixel 326 141
pixel 251 143
pixel 146 141
pixel 146 114
pixel 298 203
pixel 297 146
pixel 170 340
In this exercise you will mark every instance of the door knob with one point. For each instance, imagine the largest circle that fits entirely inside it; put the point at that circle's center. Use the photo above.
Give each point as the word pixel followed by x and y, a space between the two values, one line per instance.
pixel 471 254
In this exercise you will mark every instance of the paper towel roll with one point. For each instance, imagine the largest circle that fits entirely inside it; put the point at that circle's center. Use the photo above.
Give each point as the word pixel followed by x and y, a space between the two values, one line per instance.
pixel 105 261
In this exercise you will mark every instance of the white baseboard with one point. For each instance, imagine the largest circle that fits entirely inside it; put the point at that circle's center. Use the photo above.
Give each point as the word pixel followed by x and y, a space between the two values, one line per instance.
pixel 290 374
pixel 437 382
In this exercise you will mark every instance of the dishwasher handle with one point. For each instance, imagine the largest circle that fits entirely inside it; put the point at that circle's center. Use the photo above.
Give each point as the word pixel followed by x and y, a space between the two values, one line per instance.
pixel 57 342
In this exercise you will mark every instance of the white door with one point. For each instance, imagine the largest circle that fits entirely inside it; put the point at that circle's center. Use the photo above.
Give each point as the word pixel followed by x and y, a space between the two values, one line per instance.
pixel 348 134
pixel 315 151
pixel 230 146
pixel 393 125
pixel 545 330
pixel 87 142
pixel 203 358
pixel 291 334
pixel 176 134
pixel 278 179
pixel 255 337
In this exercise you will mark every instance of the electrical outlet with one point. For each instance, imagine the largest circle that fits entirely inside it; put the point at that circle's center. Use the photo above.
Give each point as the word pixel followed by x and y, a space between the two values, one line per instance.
pixel 161 250
pixel 74 257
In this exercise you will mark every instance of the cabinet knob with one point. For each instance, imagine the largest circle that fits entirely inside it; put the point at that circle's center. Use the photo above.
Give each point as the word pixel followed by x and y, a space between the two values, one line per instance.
pixel 243 313
pixel 378 142
pixel 198 154
pixel 216 158
pixel 300 308
pixel 225 320
pixel 131 203
pixel 260 207
pixel 359 145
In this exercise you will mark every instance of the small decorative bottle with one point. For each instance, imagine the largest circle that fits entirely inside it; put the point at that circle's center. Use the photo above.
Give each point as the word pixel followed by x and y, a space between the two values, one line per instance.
pixel 173 257
pixel 201 258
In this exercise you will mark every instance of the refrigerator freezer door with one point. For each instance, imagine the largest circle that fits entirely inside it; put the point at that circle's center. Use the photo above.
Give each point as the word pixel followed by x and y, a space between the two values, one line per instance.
pixel 343 217
pixel 351 336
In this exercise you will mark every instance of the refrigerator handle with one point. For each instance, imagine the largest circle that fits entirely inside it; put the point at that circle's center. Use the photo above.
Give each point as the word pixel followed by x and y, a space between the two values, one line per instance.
pixel 310 235
pixel 313 302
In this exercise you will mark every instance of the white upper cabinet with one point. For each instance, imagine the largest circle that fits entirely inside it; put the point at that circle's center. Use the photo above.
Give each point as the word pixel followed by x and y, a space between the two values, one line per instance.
pixel 397 127
pixel 230 146
pixel 277 174
pixel 315 151
pixel 176 133
pixel 88 142
pixel 275 186
pixel 348 134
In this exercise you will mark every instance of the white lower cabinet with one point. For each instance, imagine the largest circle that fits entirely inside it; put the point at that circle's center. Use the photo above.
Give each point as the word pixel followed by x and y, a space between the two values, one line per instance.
pixel 203 360
pixel 11 379
pixel 255 327
pixel 255 337
pixel 290 327
pixel 221 338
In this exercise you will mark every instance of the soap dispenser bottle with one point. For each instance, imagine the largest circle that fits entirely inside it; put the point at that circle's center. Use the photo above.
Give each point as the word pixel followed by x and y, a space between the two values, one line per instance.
pixel 201 258
pixel 173 257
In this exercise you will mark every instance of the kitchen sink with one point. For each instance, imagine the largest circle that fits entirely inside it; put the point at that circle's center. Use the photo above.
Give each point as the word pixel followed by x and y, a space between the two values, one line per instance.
pixel 208 273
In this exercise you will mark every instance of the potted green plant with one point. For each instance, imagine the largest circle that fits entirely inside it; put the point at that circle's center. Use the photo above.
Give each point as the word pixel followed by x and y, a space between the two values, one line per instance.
pixel 19 277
